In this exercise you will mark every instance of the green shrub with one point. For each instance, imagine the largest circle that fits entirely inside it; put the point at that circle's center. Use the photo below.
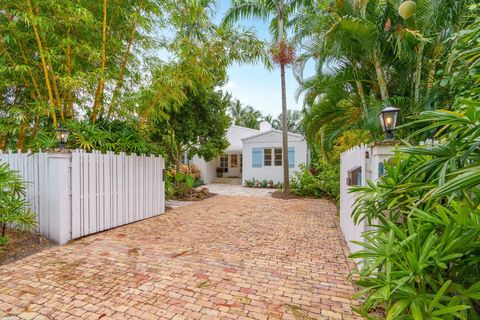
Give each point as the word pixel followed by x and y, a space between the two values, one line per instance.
pixel 422 259
pixel 253 183
pixel 250 183
pixel 14 210
pixel 321 180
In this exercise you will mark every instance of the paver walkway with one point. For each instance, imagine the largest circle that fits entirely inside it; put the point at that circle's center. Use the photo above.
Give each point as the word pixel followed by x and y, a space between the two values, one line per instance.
pixel 238 190
pixel 222 258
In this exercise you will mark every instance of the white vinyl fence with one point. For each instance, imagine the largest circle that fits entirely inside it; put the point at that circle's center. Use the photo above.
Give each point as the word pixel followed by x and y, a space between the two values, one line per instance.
pixel 353 166
pixel 357 166
pixel 77 193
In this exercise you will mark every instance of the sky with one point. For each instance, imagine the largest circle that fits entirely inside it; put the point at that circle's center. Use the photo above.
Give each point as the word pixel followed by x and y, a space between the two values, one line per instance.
pixel 254 85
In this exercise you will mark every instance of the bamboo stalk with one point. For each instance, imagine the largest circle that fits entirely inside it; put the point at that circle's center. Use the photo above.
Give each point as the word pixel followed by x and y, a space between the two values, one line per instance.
pixel 68 94
pixel 44 64
pixel 123 64
pixel 30 72
pixel 99 91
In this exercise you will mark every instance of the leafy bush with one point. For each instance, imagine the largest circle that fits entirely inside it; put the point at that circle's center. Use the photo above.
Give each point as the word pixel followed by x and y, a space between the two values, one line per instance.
pixel 190 169
pixel 117 136
pixel 422 260
pixel 250 183
pixel 253 183
pixel 321 180
pixel 14 211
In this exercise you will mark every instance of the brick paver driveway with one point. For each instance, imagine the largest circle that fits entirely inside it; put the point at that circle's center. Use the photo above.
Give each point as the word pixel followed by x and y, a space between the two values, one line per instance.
pixel 222 258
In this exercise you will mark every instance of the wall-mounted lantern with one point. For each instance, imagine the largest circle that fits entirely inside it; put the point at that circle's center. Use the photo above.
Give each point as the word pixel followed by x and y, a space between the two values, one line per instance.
pixel 62 137
pixel 388 120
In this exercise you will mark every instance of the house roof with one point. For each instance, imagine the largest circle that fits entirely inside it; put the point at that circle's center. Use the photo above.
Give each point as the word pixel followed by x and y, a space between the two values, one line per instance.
pixel 291 134
pixel 235 134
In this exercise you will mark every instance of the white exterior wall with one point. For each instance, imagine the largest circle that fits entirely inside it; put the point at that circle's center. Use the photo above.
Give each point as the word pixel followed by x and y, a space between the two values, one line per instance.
pixel 272 139
pixel 208 169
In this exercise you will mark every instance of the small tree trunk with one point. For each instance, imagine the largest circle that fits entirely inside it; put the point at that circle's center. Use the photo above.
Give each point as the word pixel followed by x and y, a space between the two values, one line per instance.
pixel 4 229
pixel 44 64
pixel 286 176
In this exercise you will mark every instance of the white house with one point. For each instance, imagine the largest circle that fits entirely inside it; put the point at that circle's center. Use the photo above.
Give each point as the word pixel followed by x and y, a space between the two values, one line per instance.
pixel 255 154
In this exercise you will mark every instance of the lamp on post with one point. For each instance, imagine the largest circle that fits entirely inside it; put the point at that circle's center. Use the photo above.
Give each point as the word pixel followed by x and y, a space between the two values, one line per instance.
pixel 388 119
pixel 62 137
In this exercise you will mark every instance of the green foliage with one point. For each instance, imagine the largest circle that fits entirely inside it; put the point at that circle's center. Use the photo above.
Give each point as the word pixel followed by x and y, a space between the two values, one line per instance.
pixel 116 136
pixel 14 210
pixel 254 183
pixel 422 260
pixel 368 57
pixel 320 180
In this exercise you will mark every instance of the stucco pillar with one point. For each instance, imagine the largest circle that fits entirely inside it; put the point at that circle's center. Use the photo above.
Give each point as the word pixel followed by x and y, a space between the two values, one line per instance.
pixel 58 197
pixel 380 153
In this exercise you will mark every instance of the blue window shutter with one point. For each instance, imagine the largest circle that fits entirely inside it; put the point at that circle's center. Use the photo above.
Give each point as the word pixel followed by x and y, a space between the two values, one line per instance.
pixel 257 155
pixel 291 157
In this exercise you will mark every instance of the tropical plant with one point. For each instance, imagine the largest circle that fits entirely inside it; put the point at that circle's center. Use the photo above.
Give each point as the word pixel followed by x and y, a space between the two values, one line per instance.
pixel 422 258
pixel 244 116
pixel 14 209
pixel 367 56
pixel 278 14
pixel 320 180
pixel 294 121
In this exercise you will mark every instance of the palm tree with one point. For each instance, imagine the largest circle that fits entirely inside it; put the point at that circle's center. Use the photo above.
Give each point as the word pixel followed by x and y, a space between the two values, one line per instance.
pixel 294 120
pixel 277 13
pixel 244 116
pixel 237 112
pixel 374 57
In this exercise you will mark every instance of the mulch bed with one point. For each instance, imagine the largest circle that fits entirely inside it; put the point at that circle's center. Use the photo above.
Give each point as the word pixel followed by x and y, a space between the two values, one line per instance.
pixel 195 197
pixel 280 195
pixel 22 244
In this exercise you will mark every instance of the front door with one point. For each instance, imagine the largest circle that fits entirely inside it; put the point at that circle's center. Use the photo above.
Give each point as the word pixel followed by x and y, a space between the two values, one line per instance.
pixel 234 165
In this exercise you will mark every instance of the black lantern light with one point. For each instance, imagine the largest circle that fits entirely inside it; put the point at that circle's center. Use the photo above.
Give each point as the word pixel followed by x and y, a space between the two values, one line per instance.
pixel 388 120
pixel 62 137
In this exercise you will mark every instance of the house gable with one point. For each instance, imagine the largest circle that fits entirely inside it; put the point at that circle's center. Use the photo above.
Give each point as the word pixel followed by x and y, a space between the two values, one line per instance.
pixel 272 135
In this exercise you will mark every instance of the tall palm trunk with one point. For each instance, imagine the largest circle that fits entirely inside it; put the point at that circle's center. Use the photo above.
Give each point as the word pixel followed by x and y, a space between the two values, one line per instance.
pixel 44 64
pixel 382 83
pixel 418 71
pixel 361 93
pixel 286 176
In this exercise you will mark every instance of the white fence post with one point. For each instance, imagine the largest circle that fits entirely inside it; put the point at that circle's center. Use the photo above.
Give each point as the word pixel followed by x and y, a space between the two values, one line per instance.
pixel 368 163
pixel 58 199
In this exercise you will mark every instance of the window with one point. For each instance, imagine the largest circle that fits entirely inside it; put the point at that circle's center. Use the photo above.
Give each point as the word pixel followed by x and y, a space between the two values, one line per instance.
pixel 257 156
pixel 267 157
pixel 233 161
pixel 241 162
pixel 278 156
pixel 224 163
pixel 354 177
